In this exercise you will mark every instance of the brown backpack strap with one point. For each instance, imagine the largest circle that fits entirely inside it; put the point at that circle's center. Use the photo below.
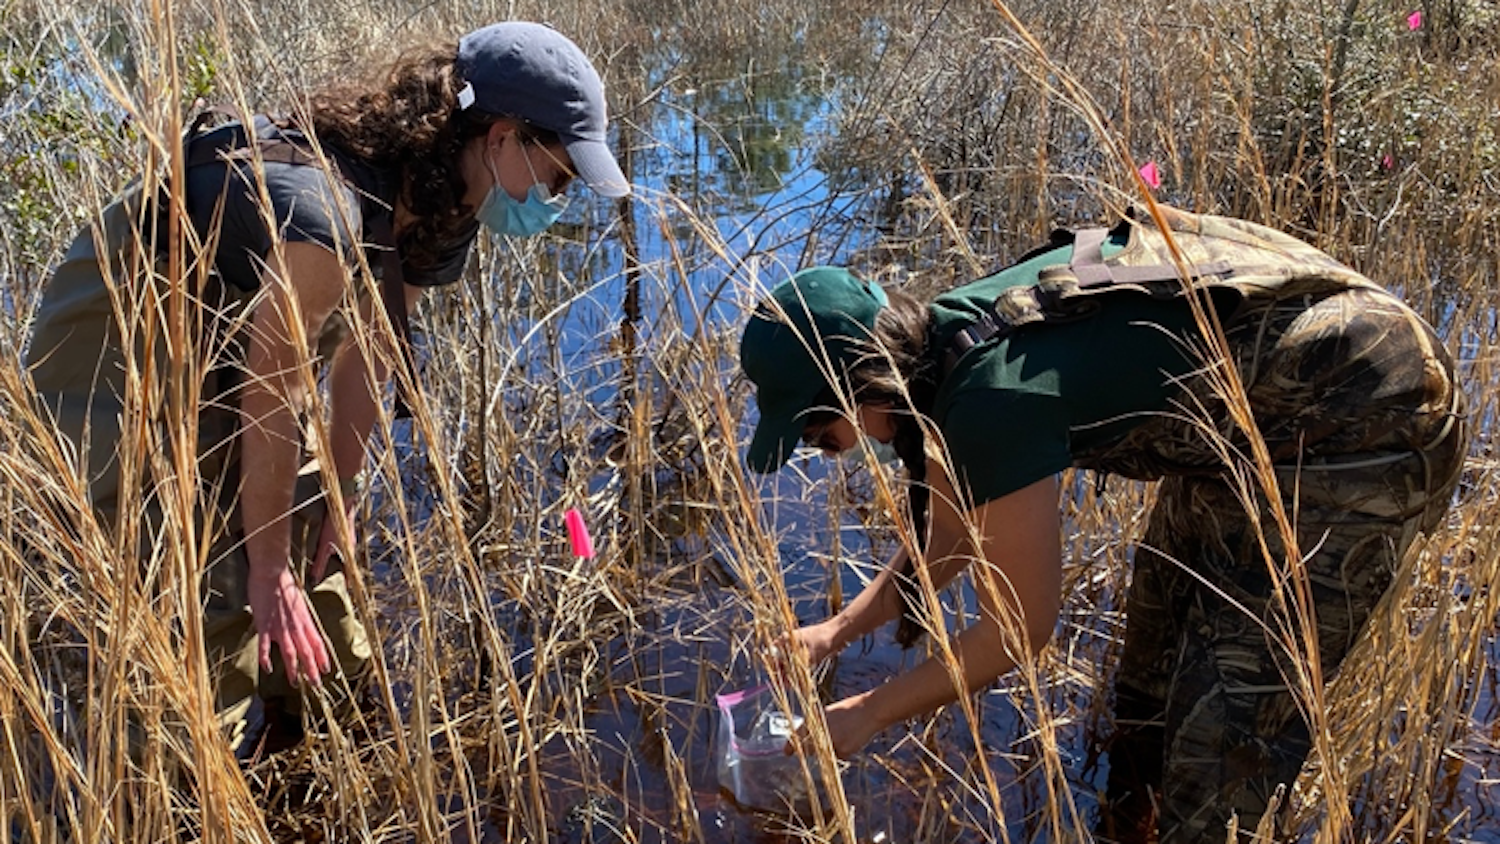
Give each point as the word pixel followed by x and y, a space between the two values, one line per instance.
pixel 1089 266
pixel 1088 258
pixel 1054 297
pixel 279 150
pixel 1038 302
pixel 1051 299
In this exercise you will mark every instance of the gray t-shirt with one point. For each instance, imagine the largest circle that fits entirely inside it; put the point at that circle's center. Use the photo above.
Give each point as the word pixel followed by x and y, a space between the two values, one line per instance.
pixel 309 203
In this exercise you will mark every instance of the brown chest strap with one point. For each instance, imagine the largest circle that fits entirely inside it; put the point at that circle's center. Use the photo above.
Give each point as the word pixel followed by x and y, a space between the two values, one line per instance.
pixel 1054 298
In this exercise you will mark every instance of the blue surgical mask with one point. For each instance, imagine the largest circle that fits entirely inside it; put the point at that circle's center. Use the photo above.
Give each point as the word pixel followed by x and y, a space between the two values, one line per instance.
pixel 504 214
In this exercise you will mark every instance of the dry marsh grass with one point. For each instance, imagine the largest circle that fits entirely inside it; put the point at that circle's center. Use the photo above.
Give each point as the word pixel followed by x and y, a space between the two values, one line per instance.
pixel 521 694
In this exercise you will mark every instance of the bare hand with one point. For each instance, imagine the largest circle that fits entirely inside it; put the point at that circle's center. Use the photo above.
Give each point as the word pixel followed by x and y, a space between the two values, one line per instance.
pixel 282 617
pixel 851 724
pixel 817 641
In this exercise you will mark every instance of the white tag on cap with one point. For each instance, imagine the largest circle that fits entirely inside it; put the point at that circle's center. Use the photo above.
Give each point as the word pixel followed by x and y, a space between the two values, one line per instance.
pixel 466 96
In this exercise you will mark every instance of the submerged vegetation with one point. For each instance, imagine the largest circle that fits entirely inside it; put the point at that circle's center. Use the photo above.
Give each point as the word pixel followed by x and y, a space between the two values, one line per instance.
pixel 525 694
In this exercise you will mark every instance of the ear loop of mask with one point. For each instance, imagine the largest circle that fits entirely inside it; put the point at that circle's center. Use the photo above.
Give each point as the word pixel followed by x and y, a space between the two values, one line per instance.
pixel 554 199
pixel 854 456
pixel 506 215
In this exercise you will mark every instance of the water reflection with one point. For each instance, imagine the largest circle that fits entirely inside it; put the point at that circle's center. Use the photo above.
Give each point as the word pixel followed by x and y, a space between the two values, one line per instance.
pixel 738 136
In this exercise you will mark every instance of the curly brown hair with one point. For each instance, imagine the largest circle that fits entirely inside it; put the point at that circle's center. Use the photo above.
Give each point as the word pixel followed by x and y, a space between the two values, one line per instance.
pixel 408 120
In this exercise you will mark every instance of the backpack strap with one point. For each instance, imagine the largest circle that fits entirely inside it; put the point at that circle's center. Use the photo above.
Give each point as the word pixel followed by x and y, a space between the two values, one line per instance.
pixel 393 297
pixel 1089 266
pixel 1052 299
pixel 1055 297
pixel 1088 257
pixel 280 149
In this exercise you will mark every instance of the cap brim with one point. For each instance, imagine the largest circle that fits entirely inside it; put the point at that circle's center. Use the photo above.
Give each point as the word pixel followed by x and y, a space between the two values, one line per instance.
pixel 774 440
pixel 596 166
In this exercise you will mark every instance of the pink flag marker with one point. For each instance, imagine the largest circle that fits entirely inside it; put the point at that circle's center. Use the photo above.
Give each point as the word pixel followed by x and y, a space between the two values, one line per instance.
pixel 1387 162
pixel 578 535
pixel 1151 175
pixel 1414 21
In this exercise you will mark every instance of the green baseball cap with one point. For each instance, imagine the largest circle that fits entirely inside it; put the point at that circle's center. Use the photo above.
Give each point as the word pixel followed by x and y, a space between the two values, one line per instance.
pixel 813 327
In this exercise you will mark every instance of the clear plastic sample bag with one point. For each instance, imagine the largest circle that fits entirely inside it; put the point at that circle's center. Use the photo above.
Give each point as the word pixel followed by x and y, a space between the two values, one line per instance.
pixel 751 751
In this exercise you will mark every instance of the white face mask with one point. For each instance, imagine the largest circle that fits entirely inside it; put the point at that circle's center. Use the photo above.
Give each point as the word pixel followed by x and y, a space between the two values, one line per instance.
pixel 884 453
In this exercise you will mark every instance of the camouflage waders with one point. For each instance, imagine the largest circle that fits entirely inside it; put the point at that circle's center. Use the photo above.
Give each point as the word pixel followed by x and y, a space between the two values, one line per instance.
pixel 77 366
pixel 1356 400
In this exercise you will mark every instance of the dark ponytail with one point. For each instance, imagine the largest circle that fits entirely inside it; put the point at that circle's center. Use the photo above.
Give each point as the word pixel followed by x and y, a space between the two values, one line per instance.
pixel 904 374
pixel 910 445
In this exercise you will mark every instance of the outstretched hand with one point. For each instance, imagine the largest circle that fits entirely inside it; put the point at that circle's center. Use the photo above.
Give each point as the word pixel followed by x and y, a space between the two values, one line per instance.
pixel 282 617
pixel 817 641
pixel 851 724
pixel 814 643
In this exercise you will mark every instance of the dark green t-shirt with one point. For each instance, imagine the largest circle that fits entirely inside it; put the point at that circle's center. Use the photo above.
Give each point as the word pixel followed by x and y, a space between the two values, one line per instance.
pixel 1017 409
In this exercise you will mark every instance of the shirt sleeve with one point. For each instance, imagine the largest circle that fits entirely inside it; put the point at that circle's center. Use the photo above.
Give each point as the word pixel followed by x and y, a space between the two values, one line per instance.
pixel 306 203
pixel 1001 441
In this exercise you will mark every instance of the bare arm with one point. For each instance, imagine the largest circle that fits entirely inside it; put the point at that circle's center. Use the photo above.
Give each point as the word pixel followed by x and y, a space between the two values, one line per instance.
pixel 301 292
pixel 354 385
pixel 879 602
pixel 1019 581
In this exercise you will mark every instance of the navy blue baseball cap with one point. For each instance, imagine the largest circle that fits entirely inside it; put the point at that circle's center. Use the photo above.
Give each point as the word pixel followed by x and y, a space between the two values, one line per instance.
pixel 533 72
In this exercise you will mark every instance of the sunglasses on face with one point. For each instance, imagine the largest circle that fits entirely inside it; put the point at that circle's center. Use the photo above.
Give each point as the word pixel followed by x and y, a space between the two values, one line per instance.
pixel 564 177
pixel 561 165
